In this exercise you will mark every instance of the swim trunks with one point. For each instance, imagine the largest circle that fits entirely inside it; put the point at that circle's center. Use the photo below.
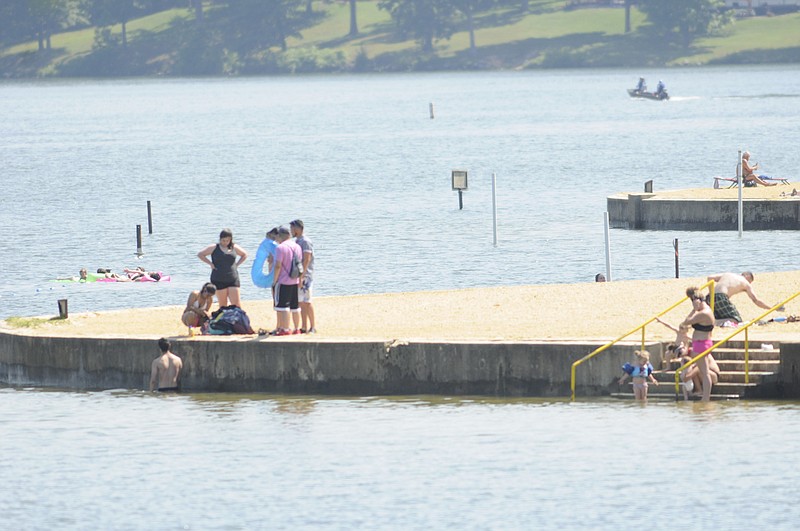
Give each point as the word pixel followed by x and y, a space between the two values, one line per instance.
pixel 286 298
pixel 304 295
pixel 724 308
pixel 700 346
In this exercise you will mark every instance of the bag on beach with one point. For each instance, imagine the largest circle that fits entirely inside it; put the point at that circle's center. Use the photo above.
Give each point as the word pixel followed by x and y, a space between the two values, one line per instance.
pixel 229 320
pixel 297 266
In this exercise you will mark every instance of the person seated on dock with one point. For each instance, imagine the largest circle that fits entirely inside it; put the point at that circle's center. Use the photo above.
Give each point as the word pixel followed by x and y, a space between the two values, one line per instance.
pixel 682 344
pixel 690 377
pixel 748 172
pixel 198 305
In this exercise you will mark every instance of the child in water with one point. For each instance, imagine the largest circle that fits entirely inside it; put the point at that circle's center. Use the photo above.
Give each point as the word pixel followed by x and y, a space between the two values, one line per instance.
pixel 641 372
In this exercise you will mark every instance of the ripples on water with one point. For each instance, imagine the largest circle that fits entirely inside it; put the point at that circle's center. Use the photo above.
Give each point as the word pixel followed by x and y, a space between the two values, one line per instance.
pixel 359 160
pixel 134 460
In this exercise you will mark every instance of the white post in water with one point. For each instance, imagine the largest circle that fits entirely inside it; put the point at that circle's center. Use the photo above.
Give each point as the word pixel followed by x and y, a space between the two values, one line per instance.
pixel 740 180
pixel 494 208
pixel 608 246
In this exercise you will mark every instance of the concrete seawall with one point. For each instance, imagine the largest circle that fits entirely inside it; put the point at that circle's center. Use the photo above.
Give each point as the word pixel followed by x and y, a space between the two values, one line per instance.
pixel 341 368
pixel 653 212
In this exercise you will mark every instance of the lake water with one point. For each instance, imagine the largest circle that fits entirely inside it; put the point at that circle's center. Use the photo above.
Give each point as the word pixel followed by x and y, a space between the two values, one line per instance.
pixel 129 460
pixel 360 161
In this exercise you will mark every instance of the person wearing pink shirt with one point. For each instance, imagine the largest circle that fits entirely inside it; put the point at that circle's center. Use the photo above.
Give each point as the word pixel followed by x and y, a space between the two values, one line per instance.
pixel 286 288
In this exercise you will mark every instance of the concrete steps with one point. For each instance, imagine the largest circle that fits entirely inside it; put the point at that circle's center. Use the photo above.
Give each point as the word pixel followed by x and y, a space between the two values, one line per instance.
pixel 763 364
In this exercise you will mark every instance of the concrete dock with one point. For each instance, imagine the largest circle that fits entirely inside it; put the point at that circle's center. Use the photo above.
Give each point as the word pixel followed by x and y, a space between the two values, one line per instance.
pixel 708 209
pixel 483 341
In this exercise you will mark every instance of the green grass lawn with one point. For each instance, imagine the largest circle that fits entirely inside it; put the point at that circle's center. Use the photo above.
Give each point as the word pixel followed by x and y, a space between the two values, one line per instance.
pixel 753 36
pixel 547 35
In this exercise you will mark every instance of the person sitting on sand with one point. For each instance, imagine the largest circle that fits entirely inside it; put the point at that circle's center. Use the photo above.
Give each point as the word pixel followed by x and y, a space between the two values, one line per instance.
pixel 198 306
pixel 748 172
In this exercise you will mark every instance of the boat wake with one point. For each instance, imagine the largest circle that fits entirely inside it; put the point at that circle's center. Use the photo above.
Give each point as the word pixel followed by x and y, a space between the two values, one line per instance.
pixel 758 96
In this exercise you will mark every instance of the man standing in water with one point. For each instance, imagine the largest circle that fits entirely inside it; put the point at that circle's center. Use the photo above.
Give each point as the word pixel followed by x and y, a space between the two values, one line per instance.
pixel 727 285
pixel 165 370
pixel 307 278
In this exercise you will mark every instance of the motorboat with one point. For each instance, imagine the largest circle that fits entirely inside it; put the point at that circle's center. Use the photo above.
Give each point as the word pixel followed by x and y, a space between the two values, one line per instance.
pixel 663 95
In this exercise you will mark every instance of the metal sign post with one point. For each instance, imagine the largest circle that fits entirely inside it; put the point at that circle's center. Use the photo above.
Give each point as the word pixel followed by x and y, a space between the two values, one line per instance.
pixel 740 181
pixel 459 182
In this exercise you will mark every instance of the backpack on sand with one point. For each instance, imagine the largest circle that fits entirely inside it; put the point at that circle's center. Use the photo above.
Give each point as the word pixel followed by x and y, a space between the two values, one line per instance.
pixel 229 320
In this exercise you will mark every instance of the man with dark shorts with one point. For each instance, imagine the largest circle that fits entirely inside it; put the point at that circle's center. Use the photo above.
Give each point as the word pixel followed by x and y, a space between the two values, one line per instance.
pixel 165 369
pixel 286 287
pixel 726 286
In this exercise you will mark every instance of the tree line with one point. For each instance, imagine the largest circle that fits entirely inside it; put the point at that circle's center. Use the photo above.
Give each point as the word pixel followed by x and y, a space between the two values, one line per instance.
pixel 256 25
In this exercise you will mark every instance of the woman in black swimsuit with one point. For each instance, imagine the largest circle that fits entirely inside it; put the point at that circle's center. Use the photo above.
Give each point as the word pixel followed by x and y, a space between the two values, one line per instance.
pixel 701 318
pixel 224 267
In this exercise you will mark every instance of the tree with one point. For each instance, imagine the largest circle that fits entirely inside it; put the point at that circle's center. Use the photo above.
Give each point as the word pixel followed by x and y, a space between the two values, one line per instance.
pixel 262 24
pixel 14 21
pixel 198 9
pixel 38 19
pixel 425 20
pixel 692 18
pixel 469 8
pixel 110 12
pixel 353 22
pixel 48 16
pixel 628 4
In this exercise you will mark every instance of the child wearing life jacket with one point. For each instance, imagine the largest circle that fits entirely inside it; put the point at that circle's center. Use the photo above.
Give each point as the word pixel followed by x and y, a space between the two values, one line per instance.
pixel 641 371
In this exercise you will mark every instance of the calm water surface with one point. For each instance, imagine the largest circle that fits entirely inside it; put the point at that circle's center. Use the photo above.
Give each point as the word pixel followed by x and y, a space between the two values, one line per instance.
pixel 360 161
pixel 129 460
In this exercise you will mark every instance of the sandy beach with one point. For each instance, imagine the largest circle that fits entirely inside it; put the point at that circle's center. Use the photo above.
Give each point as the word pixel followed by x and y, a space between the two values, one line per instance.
pixel 516 313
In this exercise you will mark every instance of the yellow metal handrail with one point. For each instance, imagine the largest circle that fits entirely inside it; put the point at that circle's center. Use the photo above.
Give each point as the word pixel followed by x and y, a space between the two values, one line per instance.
pixel 744 328
pixel 641 327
